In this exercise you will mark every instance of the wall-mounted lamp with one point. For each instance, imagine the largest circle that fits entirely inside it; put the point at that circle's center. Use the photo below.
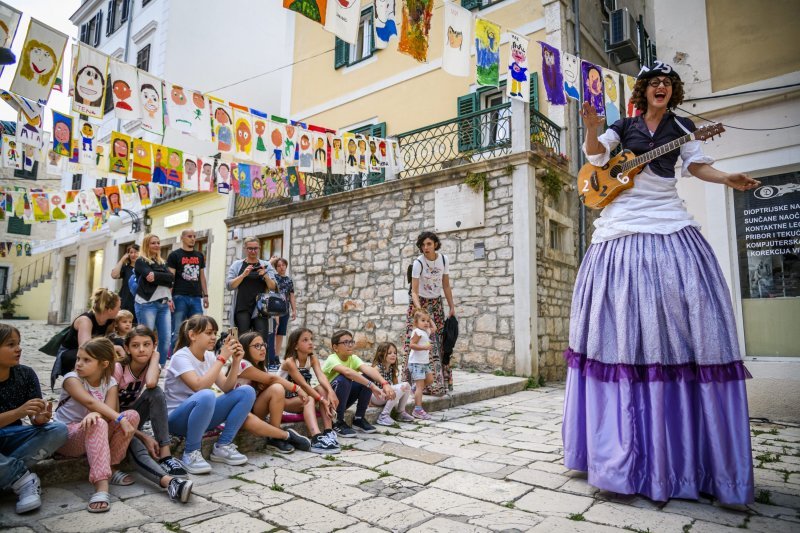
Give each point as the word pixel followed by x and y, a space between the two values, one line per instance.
pixel 115 221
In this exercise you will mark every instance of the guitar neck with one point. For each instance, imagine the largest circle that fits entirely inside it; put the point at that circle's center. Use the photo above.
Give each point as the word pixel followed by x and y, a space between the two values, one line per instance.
pixel 661 150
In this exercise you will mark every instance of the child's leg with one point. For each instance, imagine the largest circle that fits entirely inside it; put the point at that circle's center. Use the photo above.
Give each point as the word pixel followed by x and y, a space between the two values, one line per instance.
pixel 327 421
pixel 271 400
pixel 420 384
pixel 259 427
pixel 364 394
pixel 402 392
pixel 23 446
pixel 295 405
pixel 191 418
pixel 232 408
pixel 117 439
pixel 152 405
pixel 343 387
pixel 145 465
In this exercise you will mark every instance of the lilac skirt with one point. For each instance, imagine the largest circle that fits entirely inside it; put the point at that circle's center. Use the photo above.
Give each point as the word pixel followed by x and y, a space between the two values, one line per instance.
pixel 655 398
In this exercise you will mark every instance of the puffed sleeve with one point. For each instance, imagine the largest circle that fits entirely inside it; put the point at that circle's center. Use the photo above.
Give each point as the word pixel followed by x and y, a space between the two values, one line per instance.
pixel 609 140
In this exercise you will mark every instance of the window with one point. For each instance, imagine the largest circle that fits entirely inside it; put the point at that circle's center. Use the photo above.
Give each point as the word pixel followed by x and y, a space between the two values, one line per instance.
pixel 18 226
pixel 271 245
pixel 556 236
pixel 109 103
pixel 117 15
pixel 480 4
pixel 76 181
pixel 496 126
pixel 143 58
pixel 346 54
pixel 4 280
pixel 201 245
pixel 90 32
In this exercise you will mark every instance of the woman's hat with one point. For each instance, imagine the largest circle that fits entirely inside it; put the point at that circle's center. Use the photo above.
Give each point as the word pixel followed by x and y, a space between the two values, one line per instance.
pixel 658 69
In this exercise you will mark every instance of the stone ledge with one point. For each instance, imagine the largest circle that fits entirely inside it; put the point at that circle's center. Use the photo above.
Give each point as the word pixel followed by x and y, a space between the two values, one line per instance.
pixel 469 388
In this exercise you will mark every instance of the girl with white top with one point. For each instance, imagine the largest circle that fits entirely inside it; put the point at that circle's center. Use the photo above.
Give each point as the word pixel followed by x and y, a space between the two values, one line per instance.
pixel 89 406
pixel 430 277
pixel 270 390
pixel 385 362
pixel 193 407
pixel 419 360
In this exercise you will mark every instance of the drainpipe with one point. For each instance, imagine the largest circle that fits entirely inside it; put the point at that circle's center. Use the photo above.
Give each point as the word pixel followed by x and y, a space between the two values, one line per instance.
pixel 579 157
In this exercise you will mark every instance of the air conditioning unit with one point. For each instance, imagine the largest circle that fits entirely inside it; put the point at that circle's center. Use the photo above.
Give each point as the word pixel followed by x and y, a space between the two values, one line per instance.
pixel 622 36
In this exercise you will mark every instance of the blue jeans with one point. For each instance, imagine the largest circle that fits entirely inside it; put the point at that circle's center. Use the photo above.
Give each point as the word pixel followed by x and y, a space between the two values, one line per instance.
pixel 157 317
pixel 185 306
pixel 204 410
pixel 348 393
pixel 23 446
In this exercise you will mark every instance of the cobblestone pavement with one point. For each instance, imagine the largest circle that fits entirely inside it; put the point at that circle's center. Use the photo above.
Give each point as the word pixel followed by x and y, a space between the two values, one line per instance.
pixel 494 465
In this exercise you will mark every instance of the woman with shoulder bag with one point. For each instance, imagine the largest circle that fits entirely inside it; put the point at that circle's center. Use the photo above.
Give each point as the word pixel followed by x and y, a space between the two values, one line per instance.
pixel 154 294
pixel 248 278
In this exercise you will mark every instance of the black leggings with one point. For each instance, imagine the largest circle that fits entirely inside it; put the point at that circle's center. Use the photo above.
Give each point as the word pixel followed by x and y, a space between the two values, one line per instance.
pixel 243 321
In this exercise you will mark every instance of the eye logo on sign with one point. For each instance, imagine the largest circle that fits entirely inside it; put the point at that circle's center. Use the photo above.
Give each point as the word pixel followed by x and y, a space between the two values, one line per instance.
pixel 768 192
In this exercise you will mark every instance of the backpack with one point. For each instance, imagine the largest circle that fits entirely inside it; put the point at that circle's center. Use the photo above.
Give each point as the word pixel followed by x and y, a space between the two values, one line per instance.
pixel 133 284
pixel 410 270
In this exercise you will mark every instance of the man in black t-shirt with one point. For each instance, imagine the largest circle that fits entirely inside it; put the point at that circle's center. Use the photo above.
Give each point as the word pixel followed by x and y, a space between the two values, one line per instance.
pixel 189 293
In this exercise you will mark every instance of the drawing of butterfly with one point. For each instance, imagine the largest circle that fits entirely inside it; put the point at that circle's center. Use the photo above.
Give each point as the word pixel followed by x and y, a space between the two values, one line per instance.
pixel 454 38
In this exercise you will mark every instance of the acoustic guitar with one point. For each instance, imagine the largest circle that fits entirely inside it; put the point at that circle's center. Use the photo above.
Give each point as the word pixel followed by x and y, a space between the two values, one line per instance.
pixel 599 186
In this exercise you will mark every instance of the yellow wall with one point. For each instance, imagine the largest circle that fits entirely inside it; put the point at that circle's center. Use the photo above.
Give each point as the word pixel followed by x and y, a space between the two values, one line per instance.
pixel 33 304
pixel 209 211
pixel 406 105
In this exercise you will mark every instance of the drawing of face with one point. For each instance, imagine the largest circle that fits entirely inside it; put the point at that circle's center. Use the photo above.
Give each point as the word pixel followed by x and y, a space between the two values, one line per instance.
pixel 261 127
pixel 243 135
pixel 61 132
pixel 190 166
pixel 276 137
pixel 86 130
pixel 121 148
pixel 89 85
pixel 305 143
pixel 549 58
pixel 207 171
pixel 256 184
pixel 454 38
pixel 383 8
pixel 144 192
pixel 41 203
pixel 140 152
pixel 198 100
pixel 98 150
pixel 113 200
pixel 178 98
pixel 517 55
pixel 346 4
pixel 594 82
pixel 41 61
pixel 224 172
pixel 158 157
pixel 290 131
pixel 320 143
pixel 570 69
pixel 362 145
pixel 382 147
pixel 372 146
pixel 174 160
pixel 149 97
pixel 351 147
pixel 122 91
pixel 52 157
pixel 337 144
pixel 221 116
pixel 610 87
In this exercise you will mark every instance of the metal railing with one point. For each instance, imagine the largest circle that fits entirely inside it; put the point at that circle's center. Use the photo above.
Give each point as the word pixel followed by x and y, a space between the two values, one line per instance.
pixel 32 273
pixel 168 194
pixel 545 132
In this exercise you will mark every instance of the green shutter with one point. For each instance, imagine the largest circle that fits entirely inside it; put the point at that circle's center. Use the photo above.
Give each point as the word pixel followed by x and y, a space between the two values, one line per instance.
pixel 340 54
pixel 468 131
pixel 535 91
pixel 470 4
pixel 17 226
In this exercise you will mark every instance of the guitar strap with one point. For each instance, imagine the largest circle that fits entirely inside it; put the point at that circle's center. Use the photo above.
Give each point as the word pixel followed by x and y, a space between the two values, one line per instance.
pixel 681 126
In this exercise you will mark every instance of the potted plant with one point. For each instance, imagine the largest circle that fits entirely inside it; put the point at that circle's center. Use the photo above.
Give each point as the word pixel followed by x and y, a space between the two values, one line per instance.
pixel 9 306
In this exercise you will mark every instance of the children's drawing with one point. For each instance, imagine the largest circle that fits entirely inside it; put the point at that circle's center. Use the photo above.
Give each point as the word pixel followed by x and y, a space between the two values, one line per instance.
pixel 62 133
pixel 398 164
pixel 519 80
pixel 630 110
pixel 342 19
pixel 90 82
pixel 414 29
pixel 41 206
pixel 338 155
pixel 361 141
pixel 243 128
pixel 174 169
pixel 30 162
pixel 86 133
pixel 290 149
pixel 611 95
pixel 179 109
pixel 457 39
pixel 571 70
pixel 58 206
pixel 11 156
pixel 385 25
pixel 234 179
pixel 206 169
pixel 552 77
pixel 114 200
pixel 39 62
pixel 159 164
pixel 593 86
pixel 55 164
pixel 9 22
pixel 272 179
pixel 241 182
pixel 313 9
pixel 150 91
pixel 102 155
pixel 224 177
pixel 129 196
pixel 487 53
pixel 125 91
pixel 191 174
pixel 260 151
pixel 382 156
pixel 275 144
pixel 257 183
pixel 222 124
pixel 119 161
pixel 145 199
pixel 351 158
pixel 297 181
pixel 374 162
pixel 306 152
pixel 201 121
pixel 320 144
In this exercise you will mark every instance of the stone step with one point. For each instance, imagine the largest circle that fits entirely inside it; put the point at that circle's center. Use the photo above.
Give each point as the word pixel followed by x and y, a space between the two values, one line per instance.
pixel 469 388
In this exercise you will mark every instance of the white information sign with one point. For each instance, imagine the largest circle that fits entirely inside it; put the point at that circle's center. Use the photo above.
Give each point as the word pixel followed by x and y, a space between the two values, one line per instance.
pixel 458 207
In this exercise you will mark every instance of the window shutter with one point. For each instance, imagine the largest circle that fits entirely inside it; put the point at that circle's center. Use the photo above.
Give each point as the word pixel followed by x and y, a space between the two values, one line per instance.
pixel 340 54
pixel 534 91
pixel 470 4
pixel 84 33
pixel 98 25
pixel 372 30
pixel 110 17
pixel 468 134
pixel 18 226
pixel 126 4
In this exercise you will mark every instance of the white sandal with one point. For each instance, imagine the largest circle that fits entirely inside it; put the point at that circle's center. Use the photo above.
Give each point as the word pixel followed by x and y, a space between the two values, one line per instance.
pixel 118 478
pixel 99 497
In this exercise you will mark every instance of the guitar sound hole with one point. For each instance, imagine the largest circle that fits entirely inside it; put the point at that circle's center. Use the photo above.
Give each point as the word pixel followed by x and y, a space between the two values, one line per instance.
pixel 616 170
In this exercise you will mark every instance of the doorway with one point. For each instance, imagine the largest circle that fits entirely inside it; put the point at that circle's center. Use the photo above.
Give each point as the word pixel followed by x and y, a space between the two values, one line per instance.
pixel 68 287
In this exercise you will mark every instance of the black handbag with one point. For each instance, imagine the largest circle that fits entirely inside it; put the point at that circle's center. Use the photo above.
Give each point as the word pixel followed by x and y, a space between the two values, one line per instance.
pixel 271 304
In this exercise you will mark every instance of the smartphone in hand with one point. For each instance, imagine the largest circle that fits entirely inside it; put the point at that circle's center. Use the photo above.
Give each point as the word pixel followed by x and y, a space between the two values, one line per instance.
pixel 234 333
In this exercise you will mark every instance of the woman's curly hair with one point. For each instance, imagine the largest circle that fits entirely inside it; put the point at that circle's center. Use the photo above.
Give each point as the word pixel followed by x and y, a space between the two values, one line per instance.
pixel 639 96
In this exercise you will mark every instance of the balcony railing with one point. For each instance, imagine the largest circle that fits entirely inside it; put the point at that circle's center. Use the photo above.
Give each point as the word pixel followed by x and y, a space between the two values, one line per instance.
pixel 478 136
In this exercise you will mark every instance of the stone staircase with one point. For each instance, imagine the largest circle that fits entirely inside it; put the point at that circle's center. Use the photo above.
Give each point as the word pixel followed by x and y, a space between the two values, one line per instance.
pixel 32 275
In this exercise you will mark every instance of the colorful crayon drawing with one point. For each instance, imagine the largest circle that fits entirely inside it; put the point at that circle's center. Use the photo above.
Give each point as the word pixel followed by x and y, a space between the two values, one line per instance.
pixel 611 94
pixel 58 206
pixel 119 161
pixel 206 170
pixel 320 152
pixel 271 178
pixel 260 153
pixel 62 133
pixel 312 9
pixel 87 136
pixel 519 80
pixel 201 120
pixel 297 181
pixel 150 98
pixel 142 161
pixel 337 155
pixel 222 126
pixel 114 200
pixel 257 181
pixel 571 70
pixel 552 78
pixel 90 82
pixel 145 200
pixel 593 86
pixel 179 110
pixel 243 134
pixel 125 90
pixel 41 207
pixel 174 168
pixel 385 25
pixel 487 53
pixel 276 145
pixel 241 177
pixel 457 39
pixel 39 62
pixel 224 177
pixel 191 175
pixel 414 29
pixel 159 164
pixel 306 152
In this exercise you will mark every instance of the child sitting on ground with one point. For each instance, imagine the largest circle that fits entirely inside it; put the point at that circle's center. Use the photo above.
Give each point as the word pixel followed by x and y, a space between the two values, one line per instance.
pixel 270 390
pixel 89 406
pixel 419 360
pixel 385 362
pixel 137 378
pixel 22 445
pixel 350 378
pixel 296 368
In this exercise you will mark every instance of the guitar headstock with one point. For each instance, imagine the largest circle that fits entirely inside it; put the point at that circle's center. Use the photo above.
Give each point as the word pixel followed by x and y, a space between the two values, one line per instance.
pixel 708 132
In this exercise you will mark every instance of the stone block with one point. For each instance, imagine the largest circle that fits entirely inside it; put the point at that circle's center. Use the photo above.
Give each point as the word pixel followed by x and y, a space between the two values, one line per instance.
pixel 330 493
pixel 444 525
pixel 492 490
pixel 238 522
pixel 552 503
pixel 302 515
pixel 486 323
pixel 388 513
pixel 627 516
pixel 120 515
pixel 415 471
pixel 539 478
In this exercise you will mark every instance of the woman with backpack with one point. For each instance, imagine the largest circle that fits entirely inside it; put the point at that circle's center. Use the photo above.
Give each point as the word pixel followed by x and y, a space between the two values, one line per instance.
pixel 430 277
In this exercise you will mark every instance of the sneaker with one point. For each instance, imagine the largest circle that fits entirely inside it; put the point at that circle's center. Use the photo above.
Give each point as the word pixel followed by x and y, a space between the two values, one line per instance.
pixel 228 454
pixel 344 431
pixel 363 426
pixel 420 413
pixel 298 441
pixel 405 417
pixel 179 489
pixel 194 463
pixel 29 490
pixel 172 467
pixel 273 369
pixel 329 436
pixel 384 420
pixel 279 445
pixel 323 446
